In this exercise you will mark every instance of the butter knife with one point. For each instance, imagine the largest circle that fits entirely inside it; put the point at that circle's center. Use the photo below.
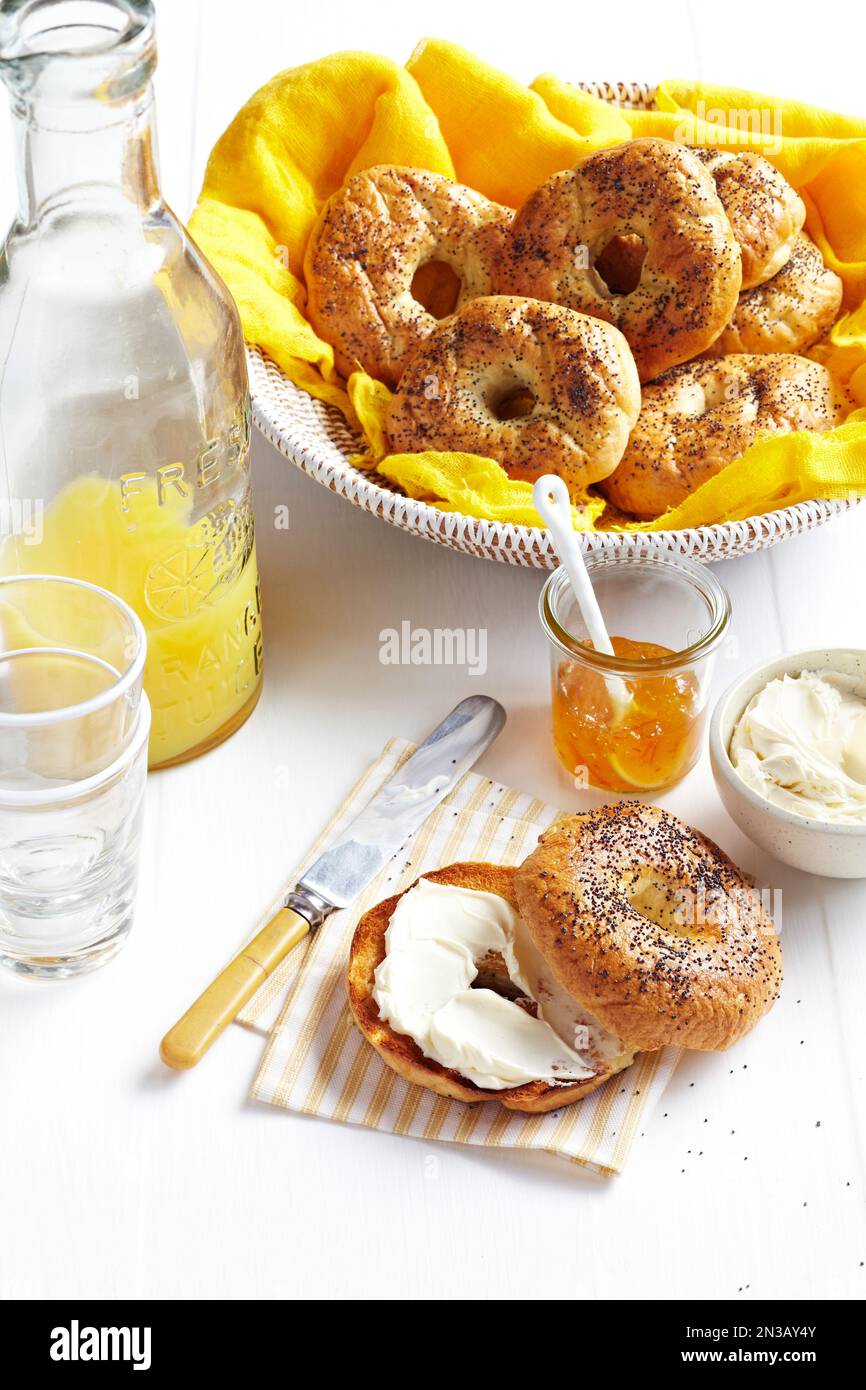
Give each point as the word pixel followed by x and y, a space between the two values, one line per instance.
pixel 340 874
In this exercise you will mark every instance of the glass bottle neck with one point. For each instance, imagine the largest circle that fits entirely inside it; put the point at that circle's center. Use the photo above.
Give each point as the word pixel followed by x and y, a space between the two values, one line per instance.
pixel 67 154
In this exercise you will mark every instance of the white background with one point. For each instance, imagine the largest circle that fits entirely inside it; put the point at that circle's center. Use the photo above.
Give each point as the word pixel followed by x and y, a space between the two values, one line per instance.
pixel 119 1179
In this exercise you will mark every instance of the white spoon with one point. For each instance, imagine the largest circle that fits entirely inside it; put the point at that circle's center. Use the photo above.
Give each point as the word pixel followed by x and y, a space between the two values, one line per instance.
pixel 553 504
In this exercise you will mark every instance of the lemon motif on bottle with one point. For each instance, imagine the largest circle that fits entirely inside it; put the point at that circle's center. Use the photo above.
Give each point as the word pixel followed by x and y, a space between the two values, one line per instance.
pixel 180 583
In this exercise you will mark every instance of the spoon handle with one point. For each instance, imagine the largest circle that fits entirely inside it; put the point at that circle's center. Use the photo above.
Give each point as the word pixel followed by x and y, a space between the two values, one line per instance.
pixel 553 504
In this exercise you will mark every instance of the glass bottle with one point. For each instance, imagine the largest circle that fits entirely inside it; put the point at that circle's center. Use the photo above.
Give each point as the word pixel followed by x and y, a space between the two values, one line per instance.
pixel 124 405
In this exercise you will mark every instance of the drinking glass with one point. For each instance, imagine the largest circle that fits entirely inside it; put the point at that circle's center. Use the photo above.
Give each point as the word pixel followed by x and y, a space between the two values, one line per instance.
pixel 74 726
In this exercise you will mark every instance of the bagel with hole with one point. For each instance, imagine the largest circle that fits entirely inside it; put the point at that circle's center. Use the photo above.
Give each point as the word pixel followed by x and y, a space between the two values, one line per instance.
pixel 392 252
pixel 652 926
pixel 537 387
pixel 647 216
pixel 766 214
pixel 699 417
pixel 789 313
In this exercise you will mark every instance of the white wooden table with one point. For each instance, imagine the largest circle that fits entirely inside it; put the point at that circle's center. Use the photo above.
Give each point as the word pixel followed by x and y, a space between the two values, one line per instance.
pixel 120 1179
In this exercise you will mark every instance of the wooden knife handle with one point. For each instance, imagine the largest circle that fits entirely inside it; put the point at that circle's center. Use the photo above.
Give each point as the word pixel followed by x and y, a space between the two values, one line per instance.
pixel 186 1043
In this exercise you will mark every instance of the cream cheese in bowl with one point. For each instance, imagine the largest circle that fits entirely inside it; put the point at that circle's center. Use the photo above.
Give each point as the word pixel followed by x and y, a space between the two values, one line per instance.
pixel 800 744
pixel 788 753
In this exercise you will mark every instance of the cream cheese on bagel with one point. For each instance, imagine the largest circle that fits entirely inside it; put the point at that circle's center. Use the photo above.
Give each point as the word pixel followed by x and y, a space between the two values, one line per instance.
pixel 437 939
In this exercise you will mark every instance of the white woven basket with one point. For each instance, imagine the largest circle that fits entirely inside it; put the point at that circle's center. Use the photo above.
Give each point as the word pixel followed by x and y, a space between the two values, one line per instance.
pixel 316 438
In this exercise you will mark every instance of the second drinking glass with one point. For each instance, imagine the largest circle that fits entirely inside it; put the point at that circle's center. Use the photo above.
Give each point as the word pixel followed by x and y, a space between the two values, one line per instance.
pixel 74 725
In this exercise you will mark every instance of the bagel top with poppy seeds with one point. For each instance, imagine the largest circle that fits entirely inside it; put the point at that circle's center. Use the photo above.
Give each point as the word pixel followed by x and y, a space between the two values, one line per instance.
pixel 651 927
pixel 646 191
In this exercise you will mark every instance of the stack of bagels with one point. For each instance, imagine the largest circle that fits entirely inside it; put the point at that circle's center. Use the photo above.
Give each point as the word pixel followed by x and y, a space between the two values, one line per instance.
pixel 636 325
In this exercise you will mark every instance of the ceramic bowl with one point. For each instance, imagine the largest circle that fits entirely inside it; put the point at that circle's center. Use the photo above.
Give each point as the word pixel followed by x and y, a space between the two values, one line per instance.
pixel 818 847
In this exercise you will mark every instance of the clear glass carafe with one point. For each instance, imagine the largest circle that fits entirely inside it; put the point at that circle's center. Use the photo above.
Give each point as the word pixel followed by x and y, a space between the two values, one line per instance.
pixel 124 406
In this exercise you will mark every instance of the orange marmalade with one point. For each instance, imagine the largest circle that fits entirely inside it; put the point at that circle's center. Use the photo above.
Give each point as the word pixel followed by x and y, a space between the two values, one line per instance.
pixel 650 744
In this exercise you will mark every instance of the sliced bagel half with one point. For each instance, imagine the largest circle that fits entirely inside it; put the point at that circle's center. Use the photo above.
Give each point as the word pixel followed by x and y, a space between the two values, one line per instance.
pixel 404 1055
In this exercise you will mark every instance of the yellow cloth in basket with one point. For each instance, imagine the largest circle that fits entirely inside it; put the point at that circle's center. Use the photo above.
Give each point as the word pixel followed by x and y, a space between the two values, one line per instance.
pixel 303 134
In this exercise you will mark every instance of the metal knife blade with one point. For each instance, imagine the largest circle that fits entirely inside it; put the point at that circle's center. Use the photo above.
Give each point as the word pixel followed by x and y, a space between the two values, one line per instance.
pixel 397 809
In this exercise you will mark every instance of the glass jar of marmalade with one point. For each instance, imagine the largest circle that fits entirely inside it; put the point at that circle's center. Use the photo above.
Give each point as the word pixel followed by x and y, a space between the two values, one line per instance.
pixel 666 617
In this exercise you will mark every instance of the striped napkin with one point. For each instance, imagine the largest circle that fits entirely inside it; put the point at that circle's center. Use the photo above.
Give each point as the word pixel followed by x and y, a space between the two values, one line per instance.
pixel 316 1061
